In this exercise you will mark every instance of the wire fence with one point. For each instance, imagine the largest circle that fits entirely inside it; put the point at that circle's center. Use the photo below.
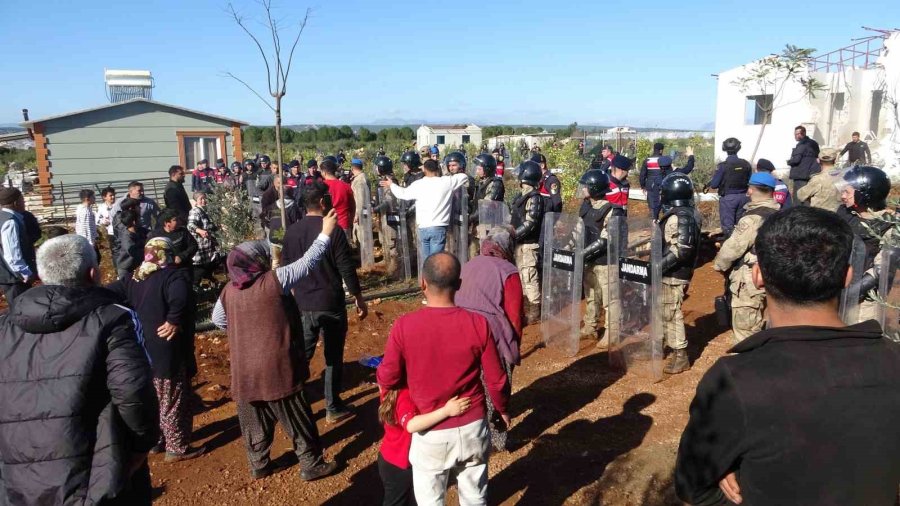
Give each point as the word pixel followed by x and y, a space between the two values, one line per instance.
pixel 65 197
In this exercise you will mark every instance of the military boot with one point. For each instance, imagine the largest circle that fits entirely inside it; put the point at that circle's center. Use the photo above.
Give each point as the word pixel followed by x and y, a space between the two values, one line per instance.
pixel 532 313
pixel 678 362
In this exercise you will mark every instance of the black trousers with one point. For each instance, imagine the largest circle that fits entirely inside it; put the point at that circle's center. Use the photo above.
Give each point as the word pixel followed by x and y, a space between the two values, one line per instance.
pixel 137 492
pixel 397 483
pixel 332 325
pixel 257 421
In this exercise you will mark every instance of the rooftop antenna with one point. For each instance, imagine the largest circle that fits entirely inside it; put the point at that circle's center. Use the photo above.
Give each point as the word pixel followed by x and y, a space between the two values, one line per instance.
pixel 124 85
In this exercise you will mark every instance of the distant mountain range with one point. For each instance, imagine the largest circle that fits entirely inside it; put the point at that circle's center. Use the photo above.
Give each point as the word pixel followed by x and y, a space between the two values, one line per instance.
pixel 375 127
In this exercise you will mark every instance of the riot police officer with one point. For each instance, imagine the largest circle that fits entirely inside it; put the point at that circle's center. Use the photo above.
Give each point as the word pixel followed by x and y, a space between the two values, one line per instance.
pixel 864 206
pixel 528 219
pixel 489 185
pixel 595 212
pixel 731 179
pixel 387 207
pixel 455 163
pixel 680 227
pixel 651 177
pixel 550 188
pixel 412 166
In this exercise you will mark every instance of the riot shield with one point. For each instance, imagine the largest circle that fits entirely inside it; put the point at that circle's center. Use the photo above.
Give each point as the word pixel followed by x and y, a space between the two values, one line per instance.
pixel 889 292
pixel 366 241
pixel 458 232
pixel 491 214
pixel 563 251
pixel 634 320
pixel 404 249
pixel 849 307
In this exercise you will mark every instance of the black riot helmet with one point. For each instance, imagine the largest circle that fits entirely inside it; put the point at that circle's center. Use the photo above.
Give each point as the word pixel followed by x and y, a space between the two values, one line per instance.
pixel 529 172
pixel 871 187
pixel 488 164
pixel 457 157
pixel 597 183
pixel 265 159
pixel 251 163
pixel 411 159
pixel 731 145
pixel 384 166
pixel 677 190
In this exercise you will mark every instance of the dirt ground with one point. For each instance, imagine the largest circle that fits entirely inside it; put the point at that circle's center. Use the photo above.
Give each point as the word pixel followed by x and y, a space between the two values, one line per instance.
pixel 583 432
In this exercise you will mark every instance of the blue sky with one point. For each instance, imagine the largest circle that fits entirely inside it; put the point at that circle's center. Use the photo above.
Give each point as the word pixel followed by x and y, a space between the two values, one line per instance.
pixel 645 63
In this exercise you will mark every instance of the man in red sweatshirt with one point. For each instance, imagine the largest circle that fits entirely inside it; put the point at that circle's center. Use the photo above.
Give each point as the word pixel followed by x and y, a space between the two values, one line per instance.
pixel 439 352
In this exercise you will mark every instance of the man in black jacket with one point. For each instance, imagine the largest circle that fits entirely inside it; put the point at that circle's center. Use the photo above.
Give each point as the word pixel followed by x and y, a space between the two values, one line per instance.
pixel 78 412
pixel 320 296
pixel 806 411
pixel 804 160
pixel 175 196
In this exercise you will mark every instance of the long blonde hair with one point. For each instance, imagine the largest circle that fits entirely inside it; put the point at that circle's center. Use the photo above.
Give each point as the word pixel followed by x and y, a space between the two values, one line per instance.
pixel 387 409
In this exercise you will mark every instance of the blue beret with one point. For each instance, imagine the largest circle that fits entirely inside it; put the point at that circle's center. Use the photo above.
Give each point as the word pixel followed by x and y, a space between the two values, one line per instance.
pixel 665 161
pixel 357 162
pixel 621 162
pixel 763 179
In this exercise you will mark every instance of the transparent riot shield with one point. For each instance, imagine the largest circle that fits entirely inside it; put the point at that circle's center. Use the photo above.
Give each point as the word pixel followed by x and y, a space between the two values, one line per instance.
pixel 889 292
pixel 491 213
pixel 366 241
pixel 458 232
pixel 634 320
pixel 563 251
pixel 849 307
pixel 404 242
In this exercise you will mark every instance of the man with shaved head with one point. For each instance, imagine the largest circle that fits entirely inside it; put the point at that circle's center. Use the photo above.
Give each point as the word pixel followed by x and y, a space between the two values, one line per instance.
pixel 438 352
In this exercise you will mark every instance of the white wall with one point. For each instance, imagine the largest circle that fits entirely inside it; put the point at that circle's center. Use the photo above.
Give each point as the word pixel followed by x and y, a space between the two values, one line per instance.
pixel 426 136
pixel 792 109
pixel 824 123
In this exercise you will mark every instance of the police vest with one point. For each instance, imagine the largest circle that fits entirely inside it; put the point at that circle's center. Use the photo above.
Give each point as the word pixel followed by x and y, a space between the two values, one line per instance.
pixel 593 227
pixel 519 212
pixel 736 176
pixel 688 233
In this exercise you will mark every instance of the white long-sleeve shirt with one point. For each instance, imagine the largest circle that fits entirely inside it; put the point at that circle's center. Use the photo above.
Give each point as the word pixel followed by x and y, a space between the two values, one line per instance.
pixel 85 224
pixel 105 216
pixel 433 196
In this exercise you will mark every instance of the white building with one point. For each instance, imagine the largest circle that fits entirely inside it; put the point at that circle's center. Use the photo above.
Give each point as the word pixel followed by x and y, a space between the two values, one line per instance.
pixel 861 82
pixel 447 135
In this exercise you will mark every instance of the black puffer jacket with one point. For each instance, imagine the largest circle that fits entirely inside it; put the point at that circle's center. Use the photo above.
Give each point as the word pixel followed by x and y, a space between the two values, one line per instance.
pixel 76 397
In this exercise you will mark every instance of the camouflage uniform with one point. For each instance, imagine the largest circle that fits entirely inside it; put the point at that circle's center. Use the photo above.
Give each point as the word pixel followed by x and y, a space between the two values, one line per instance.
pixel 820 192
pixel 596 216
pixel 748 303
pixel 528 218
pixel 673 288
pixel 388 227
pixel 877 230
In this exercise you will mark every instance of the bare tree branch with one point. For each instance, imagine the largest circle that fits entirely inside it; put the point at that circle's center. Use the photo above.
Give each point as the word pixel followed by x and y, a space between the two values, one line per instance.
pixel 294 46
pixel 229 74
pixel 240 22
pixel 276 44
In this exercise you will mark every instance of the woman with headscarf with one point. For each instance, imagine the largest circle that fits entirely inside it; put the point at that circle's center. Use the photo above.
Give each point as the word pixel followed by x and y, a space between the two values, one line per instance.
pixel 268 366
pixel 491 287
pixel 159 292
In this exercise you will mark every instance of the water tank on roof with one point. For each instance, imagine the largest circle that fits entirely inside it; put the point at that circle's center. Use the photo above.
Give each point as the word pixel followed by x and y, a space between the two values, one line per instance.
pixel 122 85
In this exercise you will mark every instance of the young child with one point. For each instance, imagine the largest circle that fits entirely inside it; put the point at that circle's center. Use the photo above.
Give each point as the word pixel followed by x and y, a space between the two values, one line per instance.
pixel 85 222
pixel 400 418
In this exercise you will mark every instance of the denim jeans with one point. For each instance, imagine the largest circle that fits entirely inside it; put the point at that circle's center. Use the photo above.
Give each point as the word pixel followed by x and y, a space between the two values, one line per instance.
pixel 432 240
pixel 332 325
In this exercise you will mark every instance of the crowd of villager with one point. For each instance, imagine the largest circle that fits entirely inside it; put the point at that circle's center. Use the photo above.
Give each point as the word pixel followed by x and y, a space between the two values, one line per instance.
pixel 803 410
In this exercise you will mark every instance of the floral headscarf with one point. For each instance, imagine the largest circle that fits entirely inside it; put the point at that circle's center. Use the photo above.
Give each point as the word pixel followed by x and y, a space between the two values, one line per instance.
pixel 499 243
pixel 157 255
pixel 248 261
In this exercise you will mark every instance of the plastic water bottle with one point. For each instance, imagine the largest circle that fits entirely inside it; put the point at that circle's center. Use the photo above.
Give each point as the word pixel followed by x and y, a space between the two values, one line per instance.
pixel 370 361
